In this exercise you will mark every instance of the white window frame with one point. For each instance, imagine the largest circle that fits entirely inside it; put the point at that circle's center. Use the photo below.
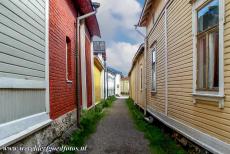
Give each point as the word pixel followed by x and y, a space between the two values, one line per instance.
pixel 207 95
pixel 67 70
pixel 154 49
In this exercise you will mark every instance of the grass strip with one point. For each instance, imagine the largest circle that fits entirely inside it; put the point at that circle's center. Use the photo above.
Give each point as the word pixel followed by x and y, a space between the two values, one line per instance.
pixel 160 143
pixel 89 120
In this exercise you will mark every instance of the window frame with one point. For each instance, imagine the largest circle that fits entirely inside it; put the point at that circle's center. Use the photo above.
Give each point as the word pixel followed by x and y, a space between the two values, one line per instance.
pixel 68 51
pixel 154 49
pixel 199 94
pixel 205 35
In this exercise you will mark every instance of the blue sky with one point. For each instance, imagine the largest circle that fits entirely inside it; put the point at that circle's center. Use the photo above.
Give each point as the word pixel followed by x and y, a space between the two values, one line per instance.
pixel 117 19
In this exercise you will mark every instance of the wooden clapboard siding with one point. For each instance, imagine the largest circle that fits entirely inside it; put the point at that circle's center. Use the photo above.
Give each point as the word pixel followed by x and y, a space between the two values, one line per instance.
pixel 153 15
pixel 204 116
pixel 135 83
pixel 97 83
pixel 157 100
pixel 15 104
pixel 22 39
pixel 22 56
pixel 140 64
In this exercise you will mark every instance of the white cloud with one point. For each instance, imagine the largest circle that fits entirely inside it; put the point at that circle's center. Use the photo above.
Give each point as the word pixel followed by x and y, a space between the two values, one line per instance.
pixel 115 15
pixel 116 19
pixel 120 55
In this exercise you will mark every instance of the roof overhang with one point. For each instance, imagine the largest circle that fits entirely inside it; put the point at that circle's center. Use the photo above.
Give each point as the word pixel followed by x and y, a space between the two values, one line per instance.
pixel 85 6
pixel 98 63
pixel 145 12
pixel 135 58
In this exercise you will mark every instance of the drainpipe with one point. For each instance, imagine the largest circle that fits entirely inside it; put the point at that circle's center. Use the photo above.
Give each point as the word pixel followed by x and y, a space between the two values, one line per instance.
pixel 78 73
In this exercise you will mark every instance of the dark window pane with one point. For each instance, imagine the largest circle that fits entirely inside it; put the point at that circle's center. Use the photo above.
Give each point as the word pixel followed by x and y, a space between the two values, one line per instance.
pixel 201 63
pixel 208 16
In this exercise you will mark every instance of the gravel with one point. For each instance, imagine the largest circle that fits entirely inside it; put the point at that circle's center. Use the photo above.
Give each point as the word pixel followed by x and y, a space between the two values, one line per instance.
pixel 116 134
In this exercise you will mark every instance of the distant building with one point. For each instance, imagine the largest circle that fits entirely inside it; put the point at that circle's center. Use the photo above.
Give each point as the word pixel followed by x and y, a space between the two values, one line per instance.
pixel 99 51
pixel 114 79
pixel 125 86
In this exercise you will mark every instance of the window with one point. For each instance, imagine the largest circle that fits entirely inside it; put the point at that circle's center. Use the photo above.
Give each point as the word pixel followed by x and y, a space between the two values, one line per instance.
pixel 68 60
pixel 208 50
pixel 208 47
pixel 154 69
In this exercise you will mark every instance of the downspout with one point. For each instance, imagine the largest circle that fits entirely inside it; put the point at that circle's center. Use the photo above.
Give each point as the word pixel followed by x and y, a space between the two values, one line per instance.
pixel 78 73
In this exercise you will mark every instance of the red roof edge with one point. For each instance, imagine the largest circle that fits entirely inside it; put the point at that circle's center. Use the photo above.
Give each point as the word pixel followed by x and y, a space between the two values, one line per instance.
pixel 85 7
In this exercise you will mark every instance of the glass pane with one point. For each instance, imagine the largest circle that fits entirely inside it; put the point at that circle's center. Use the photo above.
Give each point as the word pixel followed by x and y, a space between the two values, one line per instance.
pixel 213 75
pixel 154 76
pixel 154 56
pixel 208 16
pixel 201 63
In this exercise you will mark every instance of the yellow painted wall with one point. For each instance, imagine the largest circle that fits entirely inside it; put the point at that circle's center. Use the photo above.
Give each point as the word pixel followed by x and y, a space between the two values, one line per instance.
pixel 136 93
pixel 125 86
pixel 97 83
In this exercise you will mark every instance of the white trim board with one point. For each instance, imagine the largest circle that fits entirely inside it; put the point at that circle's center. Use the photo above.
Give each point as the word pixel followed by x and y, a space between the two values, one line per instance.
pixel 12 83
pixel 47 59
pixel 210 143
pixel 83 65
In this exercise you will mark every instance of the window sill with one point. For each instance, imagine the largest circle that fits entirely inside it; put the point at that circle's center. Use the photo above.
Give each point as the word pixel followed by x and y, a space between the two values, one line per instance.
pixel 211 96
pixel 16 130
pixel 69 81
pixel 153 93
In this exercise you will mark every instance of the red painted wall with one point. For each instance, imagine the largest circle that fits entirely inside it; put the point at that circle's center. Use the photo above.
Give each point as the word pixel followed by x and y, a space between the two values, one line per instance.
pixel 88 70
pixel 62 24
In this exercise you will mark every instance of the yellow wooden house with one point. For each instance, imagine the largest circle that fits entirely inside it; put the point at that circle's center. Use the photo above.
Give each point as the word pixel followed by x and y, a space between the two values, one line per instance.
pixel 187 69
pixel 98 79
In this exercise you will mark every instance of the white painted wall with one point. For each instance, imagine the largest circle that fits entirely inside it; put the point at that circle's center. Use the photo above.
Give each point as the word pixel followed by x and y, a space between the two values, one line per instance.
pixel 111 84
pixel 118 84
pixel 83 66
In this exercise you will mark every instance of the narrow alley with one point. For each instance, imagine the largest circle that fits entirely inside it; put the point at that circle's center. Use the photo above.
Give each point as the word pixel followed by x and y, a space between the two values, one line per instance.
pixel 116 134
pixel 115 76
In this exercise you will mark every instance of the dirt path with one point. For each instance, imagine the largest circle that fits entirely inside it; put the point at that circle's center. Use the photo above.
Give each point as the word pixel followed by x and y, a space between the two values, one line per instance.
pixel 116 134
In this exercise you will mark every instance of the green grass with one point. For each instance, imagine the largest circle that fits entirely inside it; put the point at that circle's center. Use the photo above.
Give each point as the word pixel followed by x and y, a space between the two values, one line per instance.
pixel 160 143
pixel 88 122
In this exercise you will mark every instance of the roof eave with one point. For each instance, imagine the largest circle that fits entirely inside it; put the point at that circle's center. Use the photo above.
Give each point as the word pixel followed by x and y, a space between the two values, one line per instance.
pixel 85 6
pixel 144 13
pixel 138 53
